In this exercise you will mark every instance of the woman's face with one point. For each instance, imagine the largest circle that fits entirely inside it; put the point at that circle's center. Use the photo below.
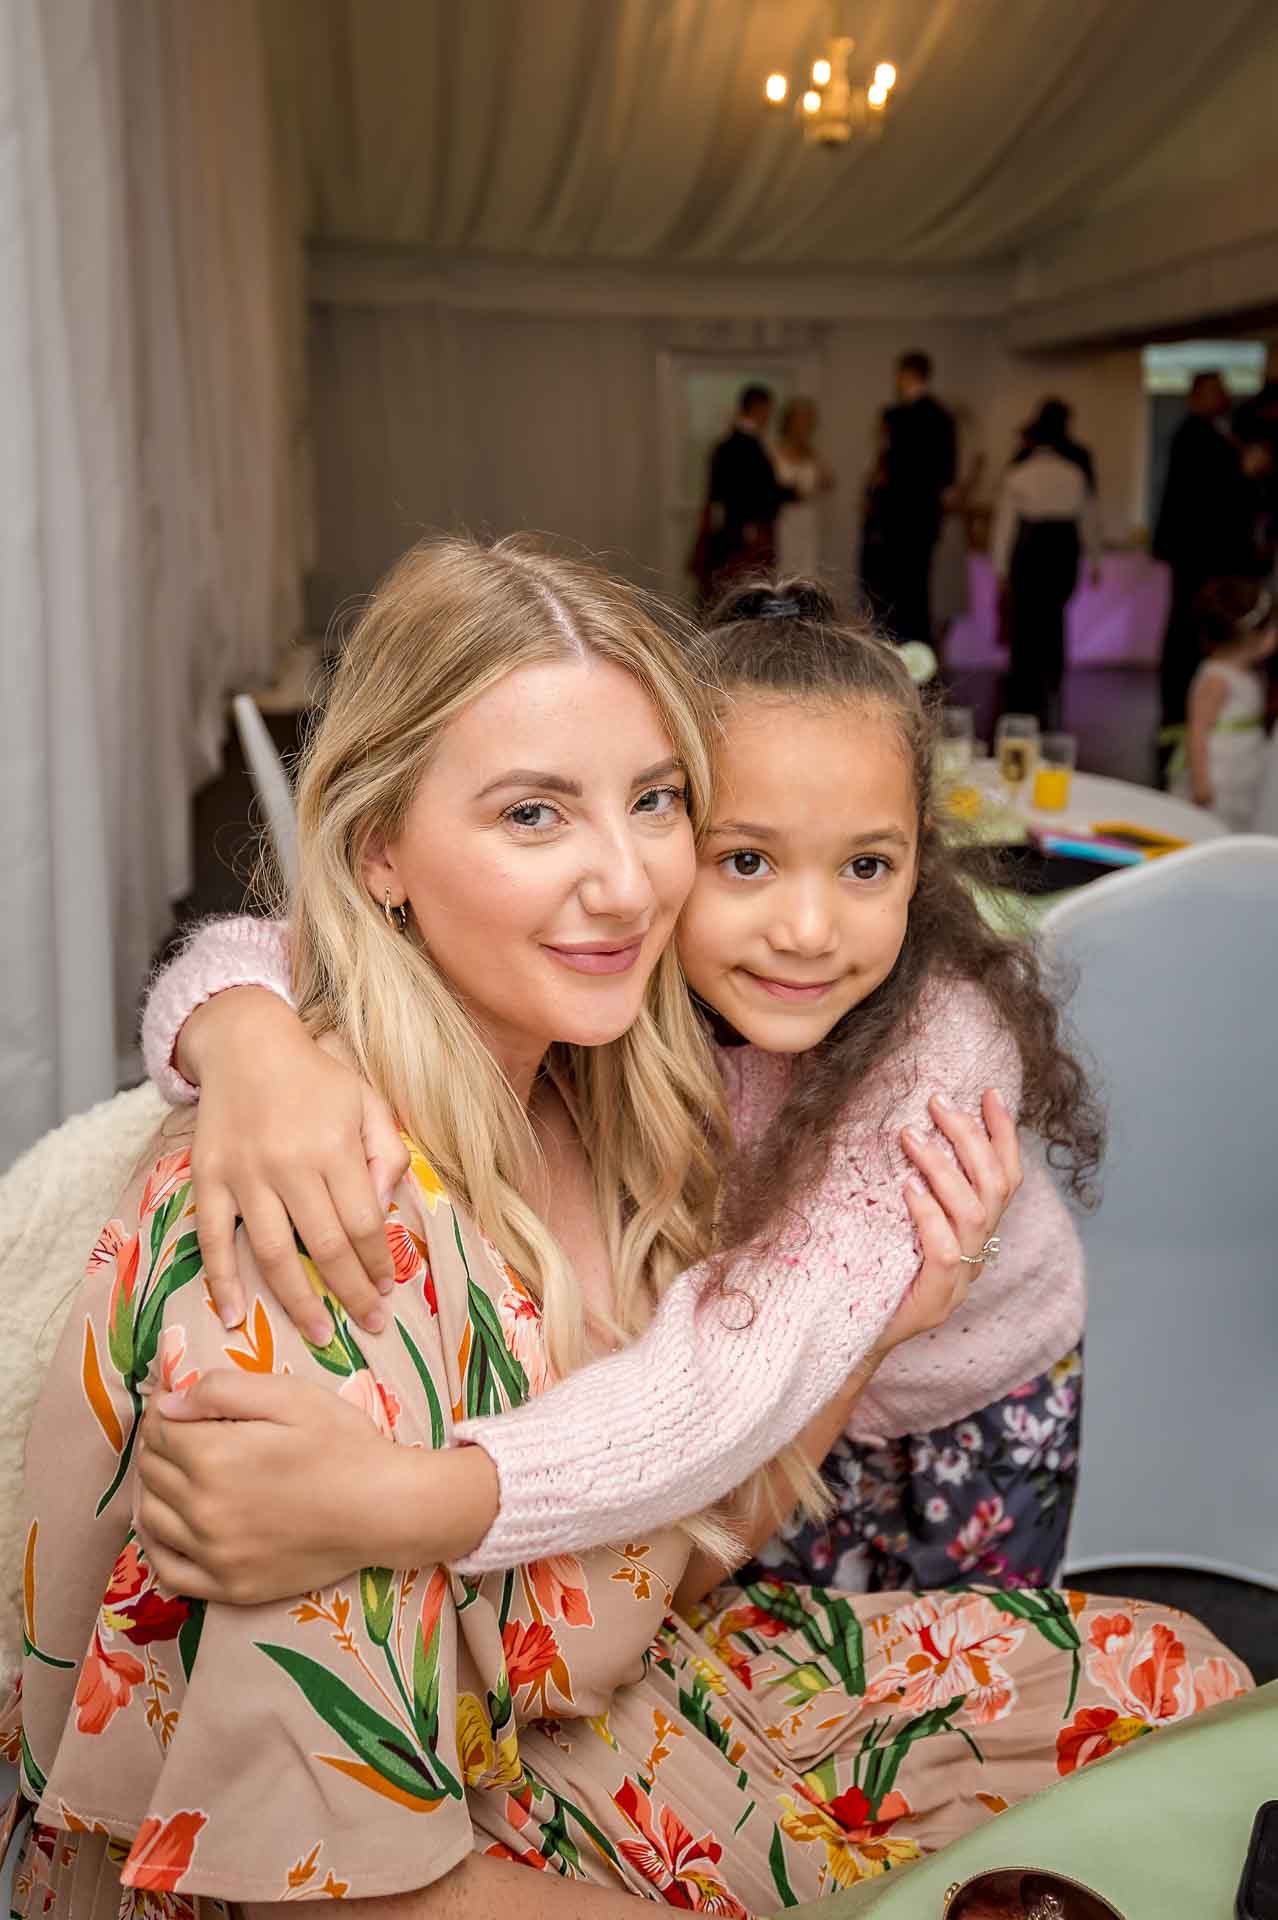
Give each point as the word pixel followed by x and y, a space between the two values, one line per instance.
pixel 545 856
pixel 803 889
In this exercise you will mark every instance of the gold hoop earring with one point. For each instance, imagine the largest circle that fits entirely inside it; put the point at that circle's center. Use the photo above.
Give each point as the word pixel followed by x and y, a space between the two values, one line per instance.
pixel 396 917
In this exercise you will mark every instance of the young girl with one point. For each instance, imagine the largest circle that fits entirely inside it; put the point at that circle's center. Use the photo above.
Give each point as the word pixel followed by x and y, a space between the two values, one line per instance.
pixel 1220 760
pixel 829 929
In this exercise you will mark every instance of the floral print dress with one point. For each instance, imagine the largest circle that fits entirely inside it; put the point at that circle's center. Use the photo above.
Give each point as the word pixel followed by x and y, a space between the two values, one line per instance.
pixel 363 1740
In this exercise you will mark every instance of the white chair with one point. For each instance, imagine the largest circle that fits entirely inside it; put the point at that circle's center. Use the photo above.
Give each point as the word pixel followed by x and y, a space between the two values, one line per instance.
pixel 271 783
pixel 1177 1004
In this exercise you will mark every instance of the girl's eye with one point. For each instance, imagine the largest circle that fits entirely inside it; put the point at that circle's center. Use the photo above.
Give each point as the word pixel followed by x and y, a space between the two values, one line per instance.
pixel 532 816
pixel 744 865
pixel 662 802
pixel 868 866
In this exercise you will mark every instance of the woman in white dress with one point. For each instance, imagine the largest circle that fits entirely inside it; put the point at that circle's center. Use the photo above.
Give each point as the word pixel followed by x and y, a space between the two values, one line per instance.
pixel 799 465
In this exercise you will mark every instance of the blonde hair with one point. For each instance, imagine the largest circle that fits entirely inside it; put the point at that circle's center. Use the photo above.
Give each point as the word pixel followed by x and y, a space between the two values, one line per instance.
pixel 451 620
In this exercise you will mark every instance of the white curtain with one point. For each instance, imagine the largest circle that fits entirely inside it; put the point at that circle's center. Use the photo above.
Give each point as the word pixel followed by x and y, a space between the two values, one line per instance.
pixel 149 542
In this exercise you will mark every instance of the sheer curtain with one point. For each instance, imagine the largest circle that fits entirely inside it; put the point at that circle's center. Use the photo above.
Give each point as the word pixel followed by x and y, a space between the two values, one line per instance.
pixel 149 538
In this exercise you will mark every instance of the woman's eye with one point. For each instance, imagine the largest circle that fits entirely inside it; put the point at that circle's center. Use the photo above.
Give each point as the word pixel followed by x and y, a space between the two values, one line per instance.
pixel 532 815
pixel 661 801
pixel 744 865
pixel 868 866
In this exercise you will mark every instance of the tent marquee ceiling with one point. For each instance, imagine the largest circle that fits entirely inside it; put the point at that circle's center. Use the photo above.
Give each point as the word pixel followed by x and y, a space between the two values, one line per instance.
pixel 632 132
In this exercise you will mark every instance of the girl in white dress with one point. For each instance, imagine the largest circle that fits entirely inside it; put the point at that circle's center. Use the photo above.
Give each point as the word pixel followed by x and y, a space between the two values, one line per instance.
pixel 1220 762
pixel 799 465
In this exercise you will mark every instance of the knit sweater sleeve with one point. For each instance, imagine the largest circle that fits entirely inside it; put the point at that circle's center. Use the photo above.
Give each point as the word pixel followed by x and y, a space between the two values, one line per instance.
pixel 240 951
pixel 717 1385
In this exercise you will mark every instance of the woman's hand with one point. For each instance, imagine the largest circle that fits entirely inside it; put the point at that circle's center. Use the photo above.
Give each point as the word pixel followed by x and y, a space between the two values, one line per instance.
pixel 288 1138
pixel 955 1209
pixel 257 1487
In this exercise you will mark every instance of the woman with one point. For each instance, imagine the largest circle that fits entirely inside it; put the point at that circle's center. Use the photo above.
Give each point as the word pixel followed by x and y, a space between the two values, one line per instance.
pixel 1044 524
pixel 493 854
pixel 800 466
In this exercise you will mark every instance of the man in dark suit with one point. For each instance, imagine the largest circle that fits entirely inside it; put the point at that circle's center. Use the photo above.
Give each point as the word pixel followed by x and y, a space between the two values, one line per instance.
pixel 739 526
pixel 1206 528
pixel 917 467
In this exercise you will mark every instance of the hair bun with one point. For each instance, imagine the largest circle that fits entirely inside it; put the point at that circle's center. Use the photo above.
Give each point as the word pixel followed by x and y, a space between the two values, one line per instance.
pixel 795 599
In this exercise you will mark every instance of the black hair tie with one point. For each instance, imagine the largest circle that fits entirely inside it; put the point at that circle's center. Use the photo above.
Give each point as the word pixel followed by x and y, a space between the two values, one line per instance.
pixel 778 609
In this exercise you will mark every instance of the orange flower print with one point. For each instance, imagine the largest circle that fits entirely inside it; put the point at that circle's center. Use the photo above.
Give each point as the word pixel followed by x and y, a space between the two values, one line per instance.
pixel 956 1644
pixel 857 1847
pixel 410 1261
pixel 530 1652
pixel 1149 1678
pixel 163 1852
pixel 105 1685
pixel 670 1859
pixel 170 1353
pixel 560 1587
pixel 1150 1682
pixel 1215 1681
pixel 163 1181
pixel 371 1397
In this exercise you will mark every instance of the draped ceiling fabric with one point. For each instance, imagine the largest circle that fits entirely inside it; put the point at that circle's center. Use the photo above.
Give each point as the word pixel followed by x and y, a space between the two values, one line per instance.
pixel 515 208
pixel 633 131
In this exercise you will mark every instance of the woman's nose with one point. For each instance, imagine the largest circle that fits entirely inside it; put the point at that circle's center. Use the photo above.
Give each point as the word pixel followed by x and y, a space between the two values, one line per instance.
pixel 617 884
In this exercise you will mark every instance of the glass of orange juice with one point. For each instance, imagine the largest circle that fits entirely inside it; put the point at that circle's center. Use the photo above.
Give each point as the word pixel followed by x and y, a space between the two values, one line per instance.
pixel 1057 753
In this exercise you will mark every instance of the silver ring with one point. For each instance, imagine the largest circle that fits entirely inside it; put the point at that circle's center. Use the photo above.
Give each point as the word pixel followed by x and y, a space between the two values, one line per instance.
pixel 987 1256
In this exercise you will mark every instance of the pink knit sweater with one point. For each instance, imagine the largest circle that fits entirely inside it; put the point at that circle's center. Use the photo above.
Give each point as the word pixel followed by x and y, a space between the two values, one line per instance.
pixel 714 1389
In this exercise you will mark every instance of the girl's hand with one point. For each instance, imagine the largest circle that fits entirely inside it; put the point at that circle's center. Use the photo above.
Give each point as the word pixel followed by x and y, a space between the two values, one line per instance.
pixel 257 1487
pixel 289 1139
pixel 957 1211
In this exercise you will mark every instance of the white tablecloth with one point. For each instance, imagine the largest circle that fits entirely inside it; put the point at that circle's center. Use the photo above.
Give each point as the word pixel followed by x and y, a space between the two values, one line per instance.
pixel 1094 799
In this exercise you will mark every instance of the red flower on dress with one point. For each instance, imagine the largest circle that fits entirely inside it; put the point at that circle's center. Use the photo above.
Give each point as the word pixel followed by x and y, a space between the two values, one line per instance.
pixel 670 1859
pixel 134 1605
pixel 163 1851
pixel 1093 1733
pixel 530 1652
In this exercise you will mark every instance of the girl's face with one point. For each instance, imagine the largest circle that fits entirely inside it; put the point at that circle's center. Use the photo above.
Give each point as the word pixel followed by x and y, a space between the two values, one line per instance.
pixel 546 855
pixel 804 882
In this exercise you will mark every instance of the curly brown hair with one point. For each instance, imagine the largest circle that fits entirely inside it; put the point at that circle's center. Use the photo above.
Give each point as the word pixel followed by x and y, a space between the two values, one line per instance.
pixel 786 639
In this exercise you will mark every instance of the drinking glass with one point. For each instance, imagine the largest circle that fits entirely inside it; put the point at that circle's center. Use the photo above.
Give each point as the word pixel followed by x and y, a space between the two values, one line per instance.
pixel 1016 750
pixel 956 745
pixel 1057 753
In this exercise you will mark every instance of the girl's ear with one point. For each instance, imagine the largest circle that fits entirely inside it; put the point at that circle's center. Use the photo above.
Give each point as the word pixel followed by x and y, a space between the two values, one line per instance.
pixel 381 874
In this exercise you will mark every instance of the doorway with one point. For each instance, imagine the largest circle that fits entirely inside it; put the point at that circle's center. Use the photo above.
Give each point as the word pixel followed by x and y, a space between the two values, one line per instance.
pixel 697 397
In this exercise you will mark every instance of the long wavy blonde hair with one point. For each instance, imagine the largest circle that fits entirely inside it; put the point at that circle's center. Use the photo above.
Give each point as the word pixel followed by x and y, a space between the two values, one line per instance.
pixel 452 619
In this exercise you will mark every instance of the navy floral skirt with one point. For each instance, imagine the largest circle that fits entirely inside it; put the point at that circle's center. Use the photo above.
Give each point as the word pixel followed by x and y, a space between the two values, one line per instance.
pixel 987 1499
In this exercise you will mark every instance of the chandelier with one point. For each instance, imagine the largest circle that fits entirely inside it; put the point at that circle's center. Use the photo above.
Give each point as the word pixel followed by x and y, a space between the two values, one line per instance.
pixel 835 107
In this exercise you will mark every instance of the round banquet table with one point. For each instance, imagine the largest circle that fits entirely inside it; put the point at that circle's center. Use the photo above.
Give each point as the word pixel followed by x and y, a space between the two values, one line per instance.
pixel 1093 800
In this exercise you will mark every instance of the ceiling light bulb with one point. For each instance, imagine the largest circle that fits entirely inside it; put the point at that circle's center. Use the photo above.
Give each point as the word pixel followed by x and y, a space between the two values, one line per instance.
pixel 821 71
pixel 877 97
pixel 812 101
pixel 776 88
pixel 885 75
